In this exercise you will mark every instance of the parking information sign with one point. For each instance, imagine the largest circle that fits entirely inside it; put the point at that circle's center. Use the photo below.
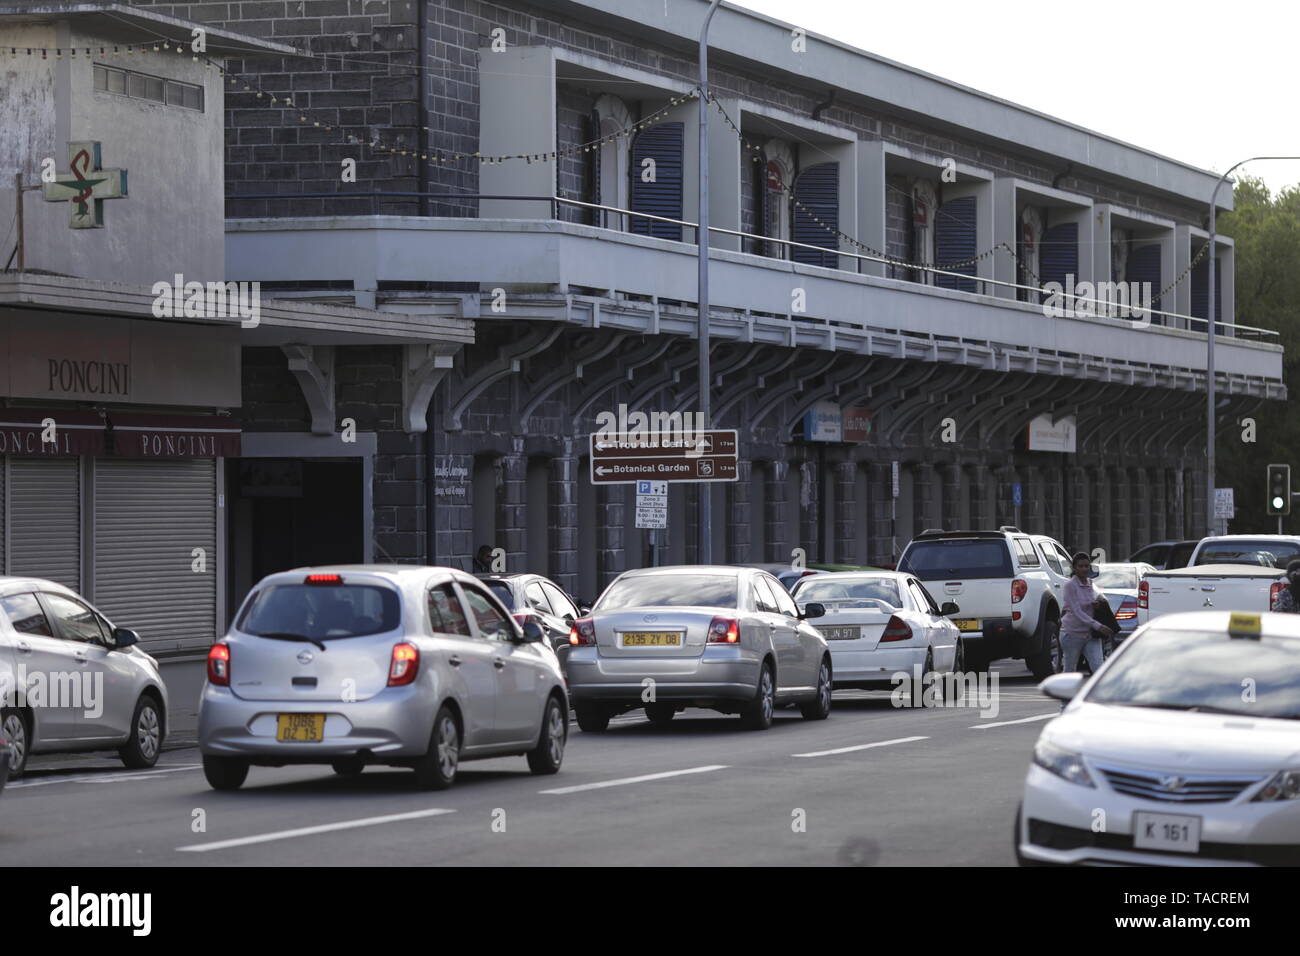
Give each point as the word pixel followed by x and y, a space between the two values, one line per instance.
pixel 652 505
pixel 622 459
pixel 1224 507
pixel 1017 496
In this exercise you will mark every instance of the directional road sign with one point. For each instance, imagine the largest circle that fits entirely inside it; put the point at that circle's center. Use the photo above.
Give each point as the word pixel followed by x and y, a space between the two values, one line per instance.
pixel 620 459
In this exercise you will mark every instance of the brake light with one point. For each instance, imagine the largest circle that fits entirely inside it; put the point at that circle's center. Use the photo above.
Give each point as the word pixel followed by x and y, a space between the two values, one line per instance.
pixel 325 579
pixel 219 665
pixel 582 631
pixel 1127 611
pixel 1274 593
pixel 1144 594
pixel 1019 588
pixel 896 630
pixel 404 665
pixel 724 630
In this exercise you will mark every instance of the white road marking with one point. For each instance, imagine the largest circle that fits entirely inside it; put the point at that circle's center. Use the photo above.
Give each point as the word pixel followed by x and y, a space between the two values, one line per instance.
pixel 845 750
pixel 311 831
pixel 115 777
pixel 626 780
pixel 1022 720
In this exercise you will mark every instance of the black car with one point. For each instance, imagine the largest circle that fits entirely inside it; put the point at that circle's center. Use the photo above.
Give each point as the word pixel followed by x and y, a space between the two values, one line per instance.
pixel 534 597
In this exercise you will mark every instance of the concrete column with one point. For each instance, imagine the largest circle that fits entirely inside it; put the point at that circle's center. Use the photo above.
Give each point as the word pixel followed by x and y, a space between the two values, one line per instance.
pixel 1004 507
pixel 1053 505
pixel 882 502
pixel 512 518
pixel 1174 481
pixel 740 534
pixel 517 105
pixel 563 517
pixel 1078 522
pixel 1158 529
pixel 950 473
pixel 1099 513
pixel 871 201
pixel 1197 504
pixel 610 535
pixel 1121 515
pixel 846 511
pixel 923 498
pixel 1140 513
pixel 1031 509
pixel 981 518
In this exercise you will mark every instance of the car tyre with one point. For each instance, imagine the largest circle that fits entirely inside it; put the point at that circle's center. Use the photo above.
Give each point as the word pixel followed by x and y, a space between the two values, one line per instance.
pixel 145 743
pixel 592 719
pixel 225 773
pixel 349 766
pixel 820 706
pixel 436 770
pixel 973 661
pixel 757 714
pixel 661 715
pixel 18 731
pixel 1042 663
pixel 548 754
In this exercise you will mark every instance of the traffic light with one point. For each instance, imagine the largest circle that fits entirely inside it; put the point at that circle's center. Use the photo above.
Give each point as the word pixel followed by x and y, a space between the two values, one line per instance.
pixel 1279 489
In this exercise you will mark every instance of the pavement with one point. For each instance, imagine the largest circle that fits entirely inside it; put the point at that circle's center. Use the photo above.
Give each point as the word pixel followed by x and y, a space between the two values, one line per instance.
pixel 875 784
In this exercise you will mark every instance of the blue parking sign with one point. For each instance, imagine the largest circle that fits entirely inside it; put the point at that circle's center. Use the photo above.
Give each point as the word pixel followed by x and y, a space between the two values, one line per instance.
pixel 1016 498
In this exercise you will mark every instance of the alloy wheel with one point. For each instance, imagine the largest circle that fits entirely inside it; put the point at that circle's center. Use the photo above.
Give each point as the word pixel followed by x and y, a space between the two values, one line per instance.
pixel 146 732
pixel 555 733
pixel 16 734
pixel 448 746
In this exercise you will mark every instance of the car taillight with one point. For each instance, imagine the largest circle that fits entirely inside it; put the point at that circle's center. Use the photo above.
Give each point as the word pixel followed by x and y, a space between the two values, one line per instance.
pixel 724 630
pixel 582 631
pixel 522 617
pixel 1127 611
pixel 404 665
pixel 896 630
pixel 219 665
pixel 1275 592
pixel 326 579
pixel 1144 592
pixel 1019 588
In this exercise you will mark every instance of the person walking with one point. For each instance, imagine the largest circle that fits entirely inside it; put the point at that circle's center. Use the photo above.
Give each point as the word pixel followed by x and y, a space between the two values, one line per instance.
pixel 1081 632
pixel 1288 601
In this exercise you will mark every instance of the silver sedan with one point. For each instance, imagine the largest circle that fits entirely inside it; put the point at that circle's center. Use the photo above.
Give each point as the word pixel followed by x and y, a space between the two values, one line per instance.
pixel 403 666
pixel 726 638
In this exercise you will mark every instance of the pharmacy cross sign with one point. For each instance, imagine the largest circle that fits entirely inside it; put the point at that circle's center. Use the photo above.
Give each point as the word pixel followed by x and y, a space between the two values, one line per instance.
pixel 86 186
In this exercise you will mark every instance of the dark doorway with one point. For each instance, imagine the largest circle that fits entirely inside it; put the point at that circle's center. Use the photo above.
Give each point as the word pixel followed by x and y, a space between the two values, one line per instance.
pixel 287 513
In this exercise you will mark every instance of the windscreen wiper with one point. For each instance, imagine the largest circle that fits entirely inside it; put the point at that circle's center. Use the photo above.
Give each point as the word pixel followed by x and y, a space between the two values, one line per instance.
pixel 286 636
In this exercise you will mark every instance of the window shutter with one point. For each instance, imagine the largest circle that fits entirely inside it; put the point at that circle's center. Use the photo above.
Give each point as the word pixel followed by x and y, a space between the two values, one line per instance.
pixel 1144 266
pixel 663 197
pixel 954 242
pixel 817 191
pixel 1060 253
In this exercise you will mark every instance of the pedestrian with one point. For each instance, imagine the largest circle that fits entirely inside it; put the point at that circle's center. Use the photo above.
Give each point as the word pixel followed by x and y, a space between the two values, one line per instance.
pixel 483 559
pixel 1288 601
pixel 1081 632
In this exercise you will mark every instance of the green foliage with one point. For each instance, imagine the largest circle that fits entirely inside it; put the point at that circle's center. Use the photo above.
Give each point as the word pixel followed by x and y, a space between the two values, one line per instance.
pixel 1266 230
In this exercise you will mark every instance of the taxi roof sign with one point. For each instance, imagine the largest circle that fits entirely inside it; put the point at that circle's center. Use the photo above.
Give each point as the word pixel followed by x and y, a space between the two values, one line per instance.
pixel 1244 625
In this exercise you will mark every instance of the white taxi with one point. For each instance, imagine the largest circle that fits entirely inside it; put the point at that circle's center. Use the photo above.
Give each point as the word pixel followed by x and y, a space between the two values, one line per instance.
pixel 1183 749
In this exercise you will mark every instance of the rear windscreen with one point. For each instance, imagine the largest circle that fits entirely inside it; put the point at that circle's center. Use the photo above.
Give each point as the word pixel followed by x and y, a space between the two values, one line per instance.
pixel 322 612
pixel 1260 554
pixel 932 560
pixel 860 590
pixel 680 590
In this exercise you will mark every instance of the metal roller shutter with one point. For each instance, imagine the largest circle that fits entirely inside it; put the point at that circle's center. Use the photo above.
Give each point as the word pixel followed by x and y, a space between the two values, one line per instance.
pixel 663 197
pixel 45 519
pixel 955 237
pixel 1060 253
pixel 817 193
pixel 1201 294
pixel 1144 266
pixel 149 517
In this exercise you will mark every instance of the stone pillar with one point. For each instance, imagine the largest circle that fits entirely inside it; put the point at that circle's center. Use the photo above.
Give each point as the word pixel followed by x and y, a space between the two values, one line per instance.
pixel 1099 510
pixel 1004 506
pixel 1158 529
pixel 1174 479
pixel 881 500
pixel 1031 508
pixel 563 517
pixel 1121 514
pixel 1078 521
pixel 923 499
pixel 950 473
pixel 610 536
pixel 1197 503
pixel 1053 504
pixel 980 517
pixel 512 518
pixel 846 511
pixel 1140 515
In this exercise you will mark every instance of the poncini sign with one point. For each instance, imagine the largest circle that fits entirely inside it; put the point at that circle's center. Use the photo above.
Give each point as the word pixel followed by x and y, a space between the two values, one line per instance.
pixel 1042 434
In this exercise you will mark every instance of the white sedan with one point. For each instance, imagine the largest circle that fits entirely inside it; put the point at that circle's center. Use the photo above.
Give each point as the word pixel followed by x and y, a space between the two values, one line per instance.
pixel 879 624
pixel 1184 749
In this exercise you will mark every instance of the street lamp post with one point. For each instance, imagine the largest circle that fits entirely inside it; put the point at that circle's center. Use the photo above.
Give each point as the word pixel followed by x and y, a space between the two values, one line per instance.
pixel 1209 344
pixel 702 246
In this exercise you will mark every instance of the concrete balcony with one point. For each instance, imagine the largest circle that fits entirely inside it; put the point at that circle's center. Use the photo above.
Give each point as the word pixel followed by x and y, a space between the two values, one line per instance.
pixel 548 270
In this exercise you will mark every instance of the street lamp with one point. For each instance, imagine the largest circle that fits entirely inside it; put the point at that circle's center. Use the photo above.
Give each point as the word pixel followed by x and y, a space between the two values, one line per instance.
pixel 1209 345
pixel 702 247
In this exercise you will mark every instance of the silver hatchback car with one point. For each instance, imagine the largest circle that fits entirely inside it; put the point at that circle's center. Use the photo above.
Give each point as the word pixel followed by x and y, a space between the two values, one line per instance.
pixel 400 665
pixel 727 638
pixel 71 681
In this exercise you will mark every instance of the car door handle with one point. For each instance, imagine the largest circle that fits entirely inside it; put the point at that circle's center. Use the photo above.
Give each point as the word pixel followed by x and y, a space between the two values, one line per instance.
pixel 454 661
pixel 24 647
pixel 498 663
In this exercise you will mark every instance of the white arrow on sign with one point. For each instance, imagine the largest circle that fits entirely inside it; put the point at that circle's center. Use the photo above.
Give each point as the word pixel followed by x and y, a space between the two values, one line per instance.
pixel 602 470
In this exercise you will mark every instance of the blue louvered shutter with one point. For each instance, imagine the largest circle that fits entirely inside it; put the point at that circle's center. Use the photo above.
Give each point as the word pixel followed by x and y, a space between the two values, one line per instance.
pixel 954 242
pixel 1144 266
pixel 1201 293
pixel 1060 253
pixel 817 193
pixel 663 197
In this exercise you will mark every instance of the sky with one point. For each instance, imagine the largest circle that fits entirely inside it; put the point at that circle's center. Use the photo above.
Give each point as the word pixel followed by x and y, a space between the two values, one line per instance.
pixel 1135 70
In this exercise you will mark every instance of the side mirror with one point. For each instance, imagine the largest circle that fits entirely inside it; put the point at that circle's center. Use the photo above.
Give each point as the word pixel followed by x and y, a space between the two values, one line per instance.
pixel 124 637
pixel 948 608
pixel 1062 686
pixel 812 610
pixel 533 633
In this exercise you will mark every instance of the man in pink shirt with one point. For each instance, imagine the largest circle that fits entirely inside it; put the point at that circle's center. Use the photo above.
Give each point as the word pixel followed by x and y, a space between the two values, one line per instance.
pixel 1081 633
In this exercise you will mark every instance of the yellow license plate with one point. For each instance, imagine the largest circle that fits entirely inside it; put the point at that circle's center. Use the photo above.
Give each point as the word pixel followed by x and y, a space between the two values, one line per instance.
pixel 652 639
pixel 300 728
pixel 967 624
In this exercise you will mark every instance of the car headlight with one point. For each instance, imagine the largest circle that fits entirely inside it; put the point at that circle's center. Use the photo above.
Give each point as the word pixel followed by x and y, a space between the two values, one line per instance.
pixel 1284 786
pixel 1064 763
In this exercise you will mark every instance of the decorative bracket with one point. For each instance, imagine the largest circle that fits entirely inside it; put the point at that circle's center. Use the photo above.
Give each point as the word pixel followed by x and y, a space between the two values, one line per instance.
pixel 313 367
pixel 424 368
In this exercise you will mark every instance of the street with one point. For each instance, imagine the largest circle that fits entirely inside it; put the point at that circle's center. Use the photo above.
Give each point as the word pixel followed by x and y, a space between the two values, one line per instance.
pixel 873 785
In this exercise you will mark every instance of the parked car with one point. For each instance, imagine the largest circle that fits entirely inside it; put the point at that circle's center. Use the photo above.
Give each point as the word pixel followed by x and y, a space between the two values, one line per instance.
pixel 397 665
pixel 880 623
pixel 533 597
pixel 1166 554
pixel 1120 581
pixel 730 639
pixel 1165 751
pixel 1008 584
pixel 787 574
pixel 79 683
